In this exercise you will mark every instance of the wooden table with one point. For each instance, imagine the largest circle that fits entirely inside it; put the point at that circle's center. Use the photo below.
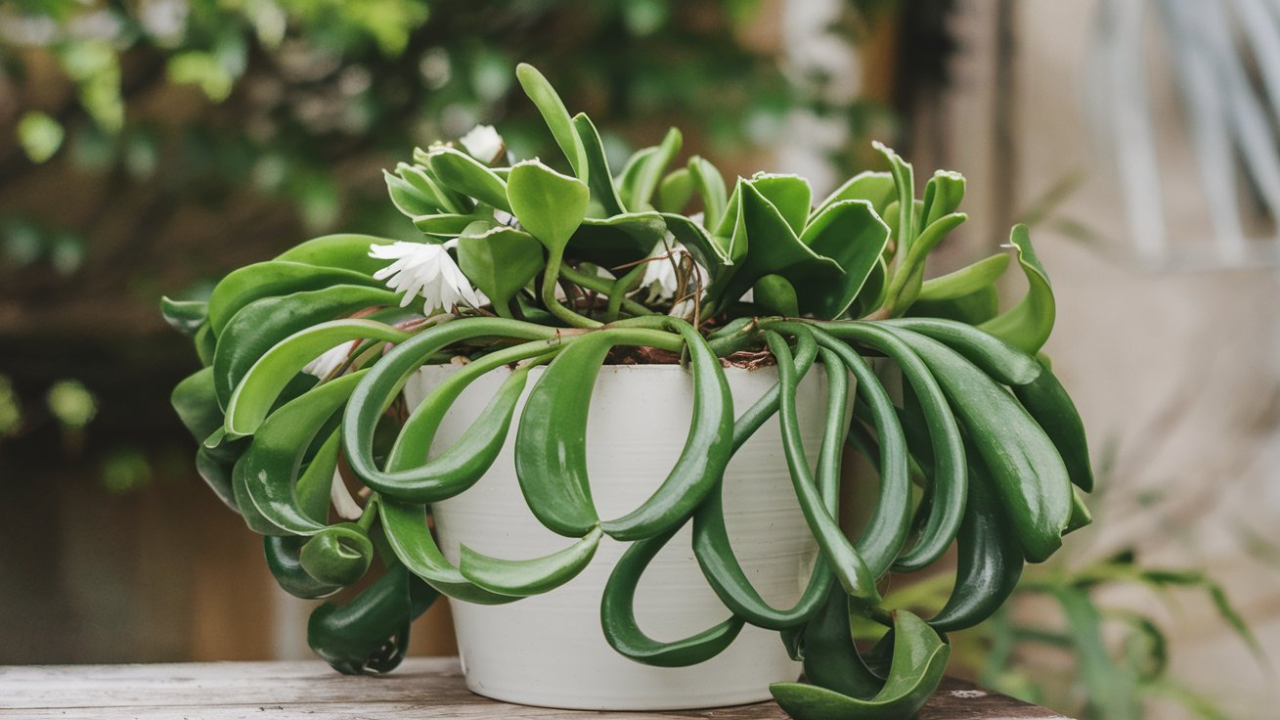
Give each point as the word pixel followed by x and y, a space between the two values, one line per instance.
pixel 420 688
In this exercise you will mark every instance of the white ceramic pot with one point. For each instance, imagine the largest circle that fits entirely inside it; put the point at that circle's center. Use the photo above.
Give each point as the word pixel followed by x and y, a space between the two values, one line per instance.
pixel 549 650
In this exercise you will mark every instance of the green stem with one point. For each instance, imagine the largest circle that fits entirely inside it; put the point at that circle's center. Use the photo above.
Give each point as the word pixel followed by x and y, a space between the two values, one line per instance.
pixel 370 513
pixel 602 286
pixel 551 275
pixel 618 291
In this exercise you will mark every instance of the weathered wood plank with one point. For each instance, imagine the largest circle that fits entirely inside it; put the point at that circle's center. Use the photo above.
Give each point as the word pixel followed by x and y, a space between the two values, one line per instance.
pixel 421 688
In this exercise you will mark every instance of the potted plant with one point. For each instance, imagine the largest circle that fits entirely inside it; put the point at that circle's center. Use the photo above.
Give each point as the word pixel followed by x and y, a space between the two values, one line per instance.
pixel 653 541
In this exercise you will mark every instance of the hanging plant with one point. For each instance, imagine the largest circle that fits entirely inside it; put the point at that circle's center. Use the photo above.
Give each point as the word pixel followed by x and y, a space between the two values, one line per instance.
pixel 521 267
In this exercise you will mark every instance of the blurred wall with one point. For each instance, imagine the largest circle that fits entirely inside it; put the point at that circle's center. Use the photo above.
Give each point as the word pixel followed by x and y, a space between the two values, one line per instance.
pixel 1174 373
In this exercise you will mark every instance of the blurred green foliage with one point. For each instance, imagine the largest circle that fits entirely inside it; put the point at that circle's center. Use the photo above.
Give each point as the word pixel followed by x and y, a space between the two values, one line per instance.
pixel 71 403
pixel 298 89
pixel 10 408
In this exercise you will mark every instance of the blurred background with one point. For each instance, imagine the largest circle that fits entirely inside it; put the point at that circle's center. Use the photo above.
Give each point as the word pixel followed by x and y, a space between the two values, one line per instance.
pixel 149 146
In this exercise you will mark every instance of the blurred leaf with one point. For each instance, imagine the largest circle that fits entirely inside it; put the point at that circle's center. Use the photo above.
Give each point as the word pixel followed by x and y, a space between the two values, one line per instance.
pixel 40 135
pixel 1111 688
pixel 202 70
pixel 126 470
pixel 141 155
pixel 72 404
pixel 10 408
pixel 66 253
pixel 22 243
pixel 645 17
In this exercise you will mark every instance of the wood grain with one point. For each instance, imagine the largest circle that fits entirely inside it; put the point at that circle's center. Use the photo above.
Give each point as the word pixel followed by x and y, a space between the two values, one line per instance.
pixel 421 688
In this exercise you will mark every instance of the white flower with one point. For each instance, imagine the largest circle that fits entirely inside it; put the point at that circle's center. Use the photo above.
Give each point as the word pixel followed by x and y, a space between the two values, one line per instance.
pixel 660 270
pixel 483 143
pixel 428 270
pixel 329 361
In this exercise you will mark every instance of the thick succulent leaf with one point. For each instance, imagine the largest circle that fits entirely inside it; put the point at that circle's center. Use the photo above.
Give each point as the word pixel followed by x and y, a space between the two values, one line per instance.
pixel 500 262
pixel 873 292
pixel 282 559
pixel 942 196
pixel 631 172
pixel 196 403
pixel 909 275
pixel 1051 406
pixel 205 344
pixel 698 241
pixel 972 309
pixel 441 199
pixel 315 484
pixel 1028 472
pixel 623 632
pixel 524 578
pixel 904 225
pixel 338 554
pixel 967 295
pixel 831 660
pixel 966 280
pixel 790 194
pixel 444 227
pixel 919 660
pixel 619 240
pixel 550 206
pixel 185 316
pixel 463 173
pixel 263 383
pixel 263 323
pixel 988 558
pixel 775 295
pixel 709 184
pixel 876 188
pixel 769 246
pixel 405 526
pixel 345 251
pixel 851 234
pixel 275 456
pixel 1028 324
pixel 217 475
pixel 675 191
pixel 556 117
pixel 603 190
pixel 1081 516
pixel 245 505
pixel 372 632
pixel 639 185
pixel 731 233
pixel 274 278
pixel 408 199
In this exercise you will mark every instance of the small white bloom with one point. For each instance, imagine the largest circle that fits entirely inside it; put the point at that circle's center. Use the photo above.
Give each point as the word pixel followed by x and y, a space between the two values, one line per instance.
pixel 329 361
pixel 428 270
pixel 483 143
pixel 660 270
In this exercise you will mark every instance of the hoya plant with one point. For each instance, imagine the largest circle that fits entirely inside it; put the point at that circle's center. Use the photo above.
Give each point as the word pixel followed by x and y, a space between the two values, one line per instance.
pixel 520 265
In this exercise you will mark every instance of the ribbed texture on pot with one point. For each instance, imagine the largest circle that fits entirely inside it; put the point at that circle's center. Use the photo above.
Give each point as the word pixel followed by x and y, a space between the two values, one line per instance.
pixel 549 650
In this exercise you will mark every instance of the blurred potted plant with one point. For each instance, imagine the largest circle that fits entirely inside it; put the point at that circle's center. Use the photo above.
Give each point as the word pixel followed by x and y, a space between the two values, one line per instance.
pixel 410 360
